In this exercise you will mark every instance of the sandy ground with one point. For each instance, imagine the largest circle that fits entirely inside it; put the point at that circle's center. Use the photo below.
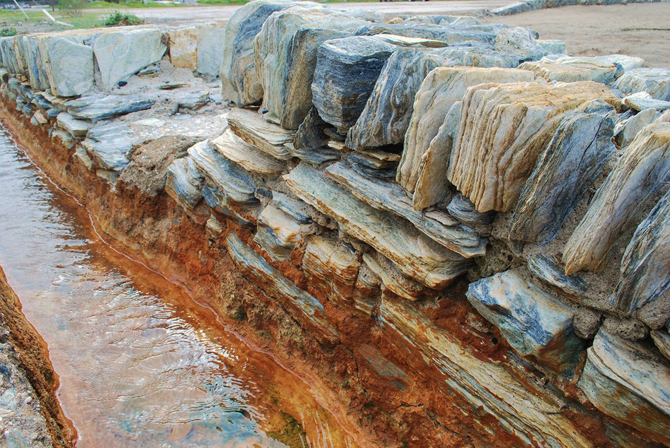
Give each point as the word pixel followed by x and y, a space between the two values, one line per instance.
pixel 635 29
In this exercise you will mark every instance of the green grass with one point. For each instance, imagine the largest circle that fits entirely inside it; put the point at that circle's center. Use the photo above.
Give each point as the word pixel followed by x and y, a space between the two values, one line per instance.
pixel 129 5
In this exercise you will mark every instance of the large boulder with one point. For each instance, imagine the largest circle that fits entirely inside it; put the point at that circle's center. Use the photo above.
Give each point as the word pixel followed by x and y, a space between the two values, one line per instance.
pixel 239 80
pixel 184 47
pixel 638 180
pixel 519 42
pixel 571 69
pixel 504 128
pixel 422 164
pixel 210 48
pixel 121 54
pixel 70 66
pixel 285 57
pixel 387 112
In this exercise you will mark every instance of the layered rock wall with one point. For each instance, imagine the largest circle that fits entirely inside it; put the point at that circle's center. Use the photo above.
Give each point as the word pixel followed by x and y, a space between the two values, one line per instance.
pixel 407 191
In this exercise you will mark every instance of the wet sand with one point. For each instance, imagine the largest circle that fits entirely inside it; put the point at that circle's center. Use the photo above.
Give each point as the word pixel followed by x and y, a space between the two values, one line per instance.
pixel 635 29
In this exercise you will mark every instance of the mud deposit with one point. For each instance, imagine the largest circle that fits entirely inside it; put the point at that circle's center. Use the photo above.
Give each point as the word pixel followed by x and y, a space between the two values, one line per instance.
pixel 140 363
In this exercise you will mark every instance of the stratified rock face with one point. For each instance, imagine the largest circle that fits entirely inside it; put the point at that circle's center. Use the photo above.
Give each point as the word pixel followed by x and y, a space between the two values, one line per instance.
pixel 74 127
pixel 438 225
pixel 572 162
pixel 285 57
pixel 104 107
pixel 533 414
pixel 239 80
pixel 655 81
pixel 504 128
pixel 392 279
pixel 247 156
pixel 535 323
pixel 411 251
pixel 235 183
pixel 121 55
pixel 386 116
pixel 441 89
pixel 569 69
pixel 554 273
pixel 281 289
pixel 640 177
pixel 109 144
pixel 345 74
pixel 330 261
pixel 644 288
pixel 265 136
pixel 70 67
pixel 210 46
pixel 519 42
pixel 451 35
pixel 630 383
pixel 184 183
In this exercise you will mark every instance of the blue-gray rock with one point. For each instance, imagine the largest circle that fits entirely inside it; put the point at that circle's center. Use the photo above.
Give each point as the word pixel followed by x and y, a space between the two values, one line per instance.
pixel 243 214
pixel 644 286
pixel 239 80
pixel 534 323
pixel 310 133
pixel 294 207
pixel 630 383
pixel 305 308
pixel 235 183
pixel 109 144
pixel 573 161
pixel 639 179
pixel 450 35
pixel 345 74
pixel 76 128
pixel 654 81
pixel 184 183
pixel 104 107
pixel 554 274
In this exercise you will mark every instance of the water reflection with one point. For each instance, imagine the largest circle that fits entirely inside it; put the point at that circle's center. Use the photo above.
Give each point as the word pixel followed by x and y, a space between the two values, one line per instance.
pixel 140 365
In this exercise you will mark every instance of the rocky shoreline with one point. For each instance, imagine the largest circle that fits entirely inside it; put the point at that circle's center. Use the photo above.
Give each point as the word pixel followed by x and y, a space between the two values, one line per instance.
pixel 455 229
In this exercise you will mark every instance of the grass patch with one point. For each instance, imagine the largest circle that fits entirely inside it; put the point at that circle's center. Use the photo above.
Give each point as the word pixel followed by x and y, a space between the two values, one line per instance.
pixel 130 5
pixel 118 18
pixel 8 31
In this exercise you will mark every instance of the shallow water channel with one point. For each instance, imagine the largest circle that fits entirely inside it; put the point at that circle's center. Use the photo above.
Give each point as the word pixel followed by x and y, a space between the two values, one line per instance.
pixel 140 364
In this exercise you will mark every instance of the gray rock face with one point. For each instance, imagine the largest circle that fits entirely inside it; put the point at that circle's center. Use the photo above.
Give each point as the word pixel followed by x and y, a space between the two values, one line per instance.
pixel 108 145
pixel 519 42
pixel 227 177
pixel 285 57
pixel 239 79
pixel 661 339
pixel 345 74
pixel 247 156
pixel 211 41
pixel 573 161
pixel 437 225
pixel 70 67
pixel 626 132
pixel 654 81
pixel 310 133
pixel 630 383
pixel 451 35
pixel 534 323
pixel 644 287
pixel 122 54
pixel 641 176
pixel 281 289
pixel 571 69
pixel 104 107
pixel 76 128
pixel 642 101
pixel 184 183
pixel 265 136
pixel 554 274
pixel 387 112
pixel 395 238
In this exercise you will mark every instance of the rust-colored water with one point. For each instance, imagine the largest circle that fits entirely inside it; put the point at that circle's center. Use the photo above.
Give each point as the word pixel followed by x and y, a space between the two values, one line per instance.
pixel 140 364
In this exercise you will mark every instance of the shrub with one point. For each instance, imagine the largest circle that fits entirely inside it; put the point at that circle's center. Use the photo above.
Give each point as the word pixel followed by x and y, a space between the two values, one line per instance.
pixel 120 19
pixel 8 31
pixel 71 7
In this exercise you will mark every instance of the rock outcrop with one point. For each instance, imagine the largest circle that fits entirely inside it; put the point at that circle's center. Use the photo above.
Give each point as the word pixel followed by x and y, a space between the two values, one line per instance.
pixel 654 81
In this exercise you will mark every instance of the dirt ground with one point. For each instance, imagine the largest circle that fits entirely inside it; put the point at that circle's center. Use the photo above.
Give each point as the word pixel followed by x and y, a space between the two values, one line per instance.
pixel 635 29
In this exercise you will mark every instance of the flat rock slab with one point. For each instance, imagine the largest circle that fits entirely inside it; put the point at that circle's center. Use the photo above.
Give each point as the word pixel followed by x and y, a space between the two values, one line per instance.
pixel 240 83
pixel 398 240
pixel 574 159
pixel 553 273
pixel 439 226
pixel 630 383
pixel 294 207
pixel 445 86
pixel 644 287
pixel 387 112
pixel 534 323
pixel 493 159
pixel 120 55
pixel 281 289
pixel 256 131
pixel 76 128
pixel 284 226
pixel 392 279
pixel 330 261
pixel 570 69
pixel 654 81
pixel 285 57
pixel 640 177
pixel 247 156
pixel 228 177
pixel 104 107
pixel 642 101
